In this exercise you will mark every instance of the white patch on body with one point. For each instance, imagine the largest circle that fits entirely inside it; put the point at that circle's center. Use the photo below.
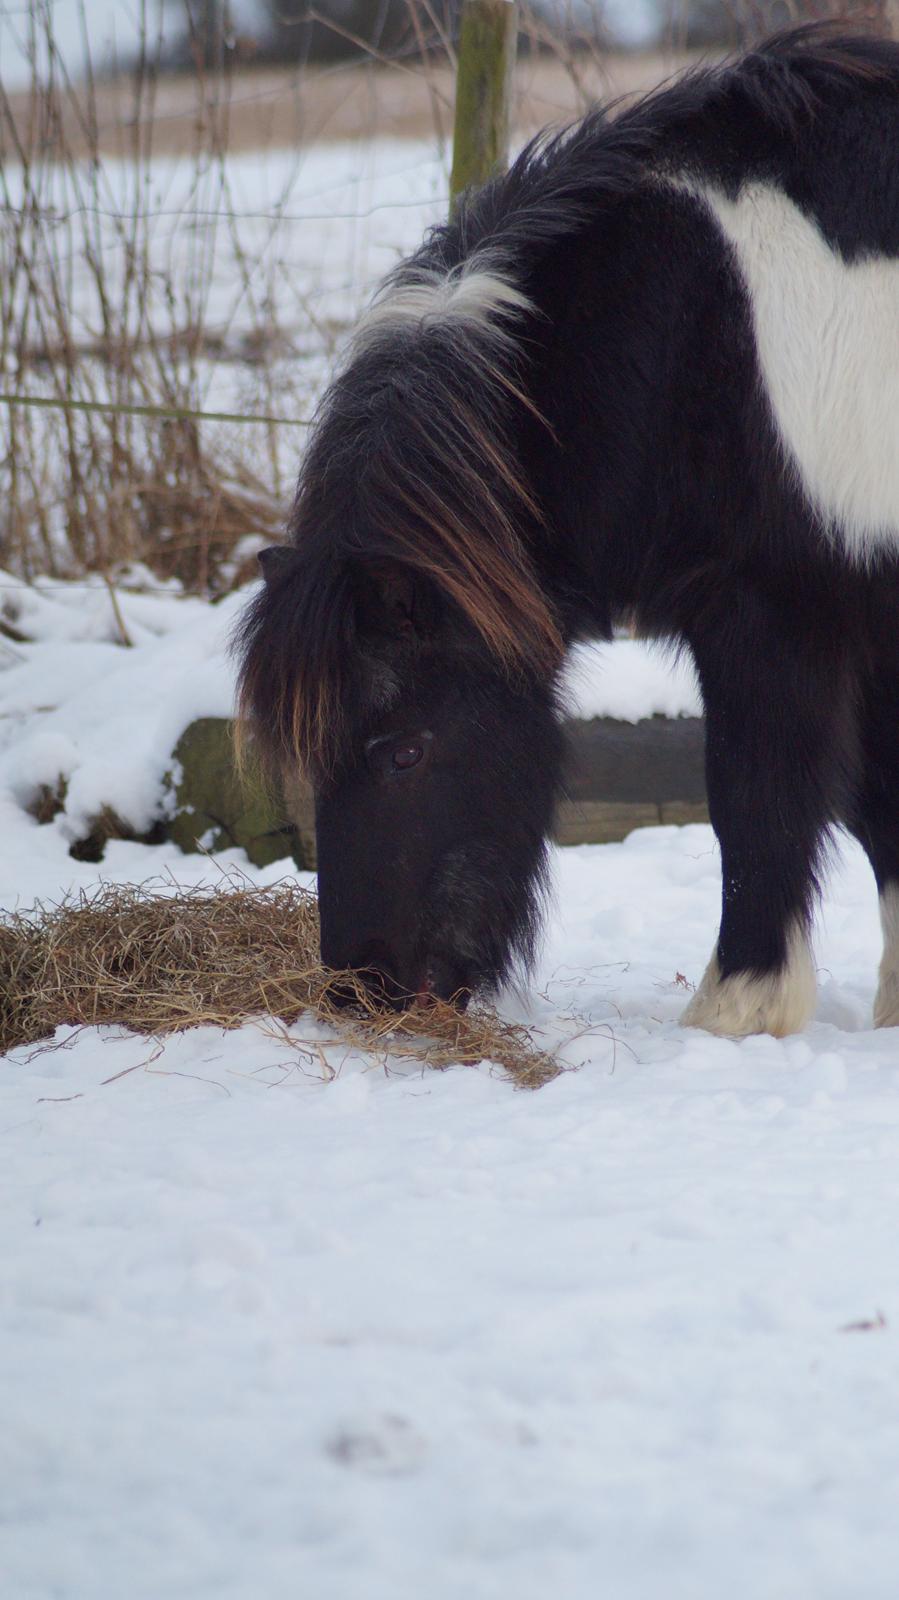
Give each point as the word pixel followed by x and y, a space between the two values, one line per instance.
pixel 778 1003
pixel 886 1001
pixel 475 295
pixel 827 334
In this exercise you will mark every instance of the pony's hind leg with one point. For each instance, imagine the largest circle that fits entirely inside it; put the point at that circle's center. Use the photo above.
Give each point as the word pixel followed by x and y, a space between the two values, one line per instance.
pixel 874 818
pixel 775 735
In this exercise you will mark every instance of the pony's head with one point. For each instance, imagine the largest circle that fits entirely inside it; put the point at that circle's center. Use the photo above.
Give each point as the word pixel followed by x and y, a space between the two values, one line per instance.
pixel 402 653
pixel 434 768
pixel 434 785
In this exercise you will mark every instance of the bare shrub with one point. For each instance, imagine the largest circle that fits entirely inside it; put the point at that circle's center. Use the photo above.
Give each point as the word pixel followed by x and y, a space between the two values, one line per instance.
pixel 104 304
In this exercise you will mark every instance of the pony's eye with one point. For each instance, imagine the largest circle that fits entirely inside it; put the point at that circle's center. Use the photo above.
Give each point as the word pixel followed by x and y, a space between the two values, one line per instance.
pixel 389 755
pixel 406 756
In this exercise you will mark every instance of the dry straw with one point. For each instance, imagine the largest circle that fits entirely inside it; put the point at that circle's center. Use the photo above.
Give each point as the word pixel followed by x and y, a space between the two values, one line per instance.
pixel 159 963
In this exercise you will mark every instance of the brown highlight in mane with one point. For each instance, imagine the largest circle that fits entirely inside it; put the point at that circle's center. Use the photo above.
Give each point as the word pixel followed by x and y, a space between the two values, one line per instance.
pixel 410 466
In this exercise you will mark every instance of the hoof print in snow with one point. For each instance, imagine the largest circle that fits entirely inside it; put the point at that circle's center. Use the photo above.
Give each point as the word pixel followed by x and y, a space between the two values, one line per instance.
pixel 386 1447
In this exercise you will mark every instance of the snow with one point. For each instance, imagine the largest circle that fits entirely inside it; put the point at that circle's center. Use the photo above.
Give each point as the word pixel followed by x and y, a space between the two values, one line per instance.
pixel 280 1319
pixel 630 679
pixel 294 241
pixel 105 717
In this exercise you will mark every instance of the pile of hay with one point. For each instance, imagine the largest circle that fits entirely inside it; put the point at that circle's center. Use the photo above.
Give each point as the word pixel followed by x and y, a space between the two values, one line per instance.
pixel 158 963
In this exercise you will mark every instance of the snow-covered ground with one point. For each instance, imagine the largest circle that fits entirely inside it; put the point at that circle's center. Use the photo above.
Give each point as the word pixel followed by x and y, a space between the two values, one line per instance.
pixel 280 1320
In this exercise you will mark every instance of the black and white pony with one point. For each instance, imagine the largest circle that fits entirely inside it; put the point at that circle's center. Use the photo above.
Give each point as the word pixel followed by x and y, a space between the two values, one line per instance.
pixel 653 370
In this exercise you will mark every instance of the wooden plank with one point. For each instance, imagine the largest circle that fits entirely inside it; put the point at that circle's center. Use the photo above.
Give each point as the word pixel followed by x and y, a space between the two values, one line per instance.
pixel 678 813
pixel 619 776
pixel 659 758
pixel 602 821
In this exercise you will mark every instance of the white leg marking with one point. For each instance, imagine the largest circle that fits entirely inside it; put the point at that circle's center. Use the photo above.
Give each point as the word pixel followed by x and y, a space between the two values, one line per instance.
pixel 779 1003
pixel 886 1001
pixel 827 334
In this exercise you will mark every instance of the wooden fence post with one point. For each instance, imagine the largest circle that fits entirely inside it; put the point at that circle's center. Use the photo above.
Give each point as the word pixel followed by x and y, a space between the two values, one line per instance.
pixel 487 40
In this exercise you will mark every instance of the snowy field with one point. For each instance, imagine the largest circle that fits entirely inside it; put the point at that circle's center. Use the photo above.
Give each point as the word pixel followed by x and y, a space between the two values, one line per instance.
pixel 280 1320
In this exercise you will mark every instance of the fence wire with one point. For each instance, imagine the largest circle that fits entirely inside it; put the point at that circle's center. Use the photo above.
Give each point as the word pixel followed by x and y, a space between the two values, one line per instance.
pixel 165 413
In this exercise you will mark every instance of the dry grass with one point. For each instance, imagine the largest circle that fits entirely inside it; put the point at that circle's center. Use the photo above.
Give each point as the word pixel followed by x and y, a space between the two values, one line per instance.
pixel 157 964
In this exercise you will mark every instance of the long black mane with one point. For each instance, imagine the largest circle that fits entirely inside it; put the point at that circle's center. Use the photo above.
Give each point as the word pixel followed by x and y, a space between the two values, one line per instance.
pixel 417 456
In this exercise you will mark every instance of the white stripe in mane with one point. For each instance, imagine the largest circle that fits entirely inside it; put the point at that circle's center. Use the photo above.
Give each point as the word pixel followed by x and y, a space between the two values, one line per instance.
pixel 474 294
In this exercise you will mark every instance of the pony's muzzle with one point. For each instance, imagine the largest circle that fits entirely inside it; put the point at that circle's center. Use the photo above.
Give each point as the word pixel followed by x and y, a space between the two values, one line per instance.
pixel 373 969
pixel 374 972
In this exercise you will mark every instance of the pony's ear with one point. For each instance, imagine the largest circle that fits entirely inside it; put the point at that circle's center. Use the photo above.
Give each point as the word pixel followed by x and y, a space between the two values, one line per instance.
pixel 275 561
pixel 395 602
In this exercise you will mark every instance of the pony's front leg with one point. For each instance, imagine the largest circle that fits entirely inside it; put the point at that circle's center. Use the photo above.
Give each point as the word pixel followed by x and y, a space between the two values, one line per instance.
pixel 773 738
pixel 739 1000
